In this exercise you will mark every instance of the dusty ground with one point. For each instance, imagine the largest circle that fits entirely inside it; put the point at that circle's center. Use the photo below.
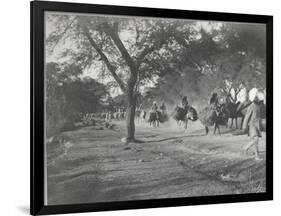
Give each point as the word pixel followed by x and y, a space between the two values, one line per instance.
pixel 91 165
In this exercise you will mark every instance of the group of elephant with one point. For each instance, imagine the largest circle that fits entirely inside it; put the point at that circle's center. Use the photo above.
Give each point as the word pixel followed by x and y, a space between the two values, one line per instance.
pixel 154 118
pixel 208 116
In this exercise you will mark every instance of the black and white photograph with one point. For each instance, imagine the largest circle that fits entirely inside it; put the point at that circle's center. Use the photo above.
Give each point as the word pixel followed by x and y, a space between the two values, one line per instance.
pixel 140 108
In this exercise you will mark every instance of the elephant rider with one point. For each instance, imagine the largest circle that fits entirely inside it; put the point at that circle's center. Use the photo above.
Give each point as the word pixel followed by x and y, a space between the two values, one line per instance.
pixel 154 108
pixel 184 103
pixel 228 99
pixel 252 122
pixel 214 101
pixel 244 103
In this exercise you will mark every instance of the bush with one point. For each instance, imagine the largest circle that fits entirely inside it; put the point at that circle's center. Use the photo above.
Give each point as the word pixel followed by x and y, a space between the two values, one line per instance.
pixel 68 99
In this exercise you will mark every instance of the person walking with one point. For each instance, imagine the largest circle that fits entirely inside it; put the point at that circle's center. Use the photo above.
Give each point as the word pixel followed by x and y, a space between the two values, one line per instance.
pixel 252 122
pixel 214 101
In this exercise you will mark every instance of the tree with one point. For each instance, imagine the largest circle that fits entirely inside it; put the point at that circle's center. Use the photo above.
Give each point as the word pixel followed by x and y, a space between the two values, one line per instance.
pixel 129 61
pixel 225 58
pixel 192 61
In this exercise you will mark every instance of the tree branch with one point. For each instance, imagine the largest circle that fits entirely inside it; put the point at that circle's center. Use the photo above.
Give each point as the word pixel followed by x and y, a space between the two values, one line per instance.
pixel 110 67
pixel 137 34
pixel 146 51
pixel 113 33
pixel 63 33
pixel 181 41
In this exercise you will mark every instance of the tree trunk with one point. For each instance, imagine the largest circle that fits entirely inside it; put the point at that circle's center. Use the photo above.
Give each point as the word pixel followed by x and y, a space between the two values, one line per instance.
pixel 130 118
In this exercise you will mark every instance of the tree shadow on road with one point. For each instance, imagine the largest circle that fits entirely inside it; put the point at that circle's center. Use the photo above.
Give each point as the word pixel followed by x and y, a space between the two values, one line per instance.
pixel 174 138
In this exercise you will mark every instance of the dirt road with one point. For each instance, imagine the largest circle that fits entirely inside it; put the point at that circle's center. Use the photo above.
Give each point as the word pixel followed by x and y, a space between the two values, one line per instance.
pixel 93 165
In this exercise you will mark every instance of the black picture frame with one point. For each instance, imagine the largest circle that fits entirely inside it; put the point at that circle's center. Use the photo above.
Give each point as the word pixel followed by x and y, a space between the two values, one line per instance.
pixel 37 106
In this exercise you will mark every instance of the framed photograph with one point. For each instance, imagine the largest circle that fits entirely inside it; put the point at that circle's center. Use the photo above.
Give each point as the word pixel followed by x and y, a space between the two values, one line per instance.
pixel 141 108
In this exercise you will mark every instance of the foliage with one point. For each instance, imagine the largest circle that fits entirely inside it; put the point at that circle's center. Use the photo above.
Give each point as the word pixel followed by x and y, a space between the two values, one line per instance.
pixel 223 60
pixel 68 98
